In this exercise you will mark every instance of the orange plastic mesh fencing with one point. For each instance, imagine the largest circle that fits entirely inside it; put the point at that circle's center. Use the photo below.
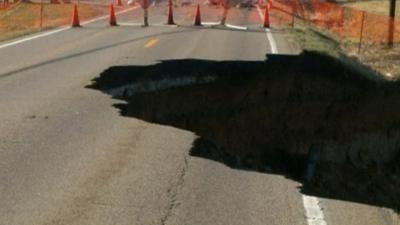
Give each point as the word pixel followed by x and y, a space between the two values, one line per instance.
pixel 347 23
pixel 55 15
pixel 294 7
pixel 6 4
pixel 28 17
pixel 381 29
pixel 282 14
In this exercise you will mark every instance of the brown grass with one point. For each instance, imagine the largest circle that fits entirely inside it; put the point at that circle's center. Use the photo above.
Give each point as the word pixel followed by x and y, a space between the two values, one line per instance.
pixel 375 6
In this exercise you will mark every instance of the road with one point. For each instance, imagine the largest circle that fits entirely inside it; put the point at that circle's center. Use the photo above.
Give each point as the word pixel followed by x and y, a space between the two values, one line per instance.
pixel 68 157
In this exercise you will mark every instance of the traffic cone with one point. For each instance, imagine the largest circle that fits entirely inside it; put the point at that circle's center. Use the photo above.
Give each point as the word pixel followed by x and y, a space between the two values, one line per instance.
pixel 170 14
pixel 197 20
pixel 266 16
pixel 119 3
pixel 113 20
pixel 75 17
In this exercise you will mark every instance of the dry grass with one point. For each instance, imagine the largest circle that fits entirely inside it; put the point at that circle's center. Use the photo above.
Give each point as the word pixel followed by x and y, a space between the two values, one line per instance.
pixel 25 19
pixel 375 6
pixel 380 58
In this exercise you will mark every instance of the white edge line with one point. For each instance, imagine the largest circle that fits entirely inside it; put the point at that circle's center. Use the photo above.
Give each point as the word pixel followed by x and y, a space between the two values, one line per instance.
pixel 236 27
pixel 210 23
pixel 314 214
pixel 272 42
pixel 150 25
pixel 60 29
pixel 227 25
pixel 164 25
pixel 33 37
pixel 131 24
pixel 270 37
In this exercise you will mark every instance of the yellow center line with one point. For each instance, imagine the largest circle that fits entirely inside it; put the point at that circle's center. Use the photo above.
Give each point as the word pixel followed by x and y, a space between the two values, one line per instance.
pixel 151 43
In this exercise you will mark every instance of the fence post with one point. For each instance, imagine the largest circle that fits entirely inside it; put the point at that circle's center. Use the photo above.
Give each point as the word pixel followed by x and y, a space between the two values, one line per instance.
pixel 391 31
pixel 146 14
pixel 293 16
pixel 41 14
pixel 391 22
pixel 361 32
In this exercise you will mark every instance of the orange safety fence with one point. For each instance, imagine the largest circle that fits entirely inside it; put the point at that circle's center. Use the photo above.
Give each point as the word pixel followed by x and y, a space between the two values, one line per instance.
pixel 28 17
pixel 347 23
pixel 5 4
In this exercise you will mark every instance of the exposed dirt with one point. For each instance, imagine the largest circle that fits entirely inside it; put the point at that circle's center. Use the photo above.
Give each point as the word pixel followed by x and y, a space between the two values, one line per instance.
pixel 268 116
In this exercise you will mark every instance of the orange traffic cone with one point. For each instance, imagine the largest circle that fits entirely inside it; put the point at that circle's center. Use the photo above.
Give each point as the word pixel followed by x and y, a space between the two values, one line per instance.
pixel 75 17
pixel 197 20
pixel 170 14
pixel 266 16
pixel 119 3
pixel 113 20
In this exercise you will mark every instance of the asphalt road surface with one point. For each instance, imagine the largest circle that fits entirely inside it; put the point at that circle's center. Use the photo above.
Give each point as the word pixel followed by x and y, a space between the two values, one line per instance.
pixel 68 157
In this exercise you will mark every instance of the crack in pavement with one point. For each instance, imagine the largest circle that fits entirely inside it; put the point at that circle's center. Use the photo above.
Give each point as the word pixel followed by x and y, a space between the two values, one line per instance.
pixel 173 191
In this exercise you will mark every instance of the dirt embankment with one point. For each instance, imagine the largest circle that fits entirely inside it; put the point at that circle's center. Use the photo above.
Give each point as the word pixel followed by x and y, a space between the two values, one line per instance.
pixel 268 116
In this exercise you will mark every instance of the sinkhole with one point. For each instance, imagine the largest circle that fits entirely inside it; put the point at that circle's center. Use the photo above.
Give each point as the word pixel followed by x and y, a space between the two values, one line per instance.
pixel 308 117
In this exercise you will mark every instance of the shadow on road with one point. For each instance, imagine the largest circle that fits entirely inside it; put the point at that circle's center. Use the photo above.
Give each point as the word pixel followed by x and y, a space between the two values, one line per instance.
pixel 307 117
